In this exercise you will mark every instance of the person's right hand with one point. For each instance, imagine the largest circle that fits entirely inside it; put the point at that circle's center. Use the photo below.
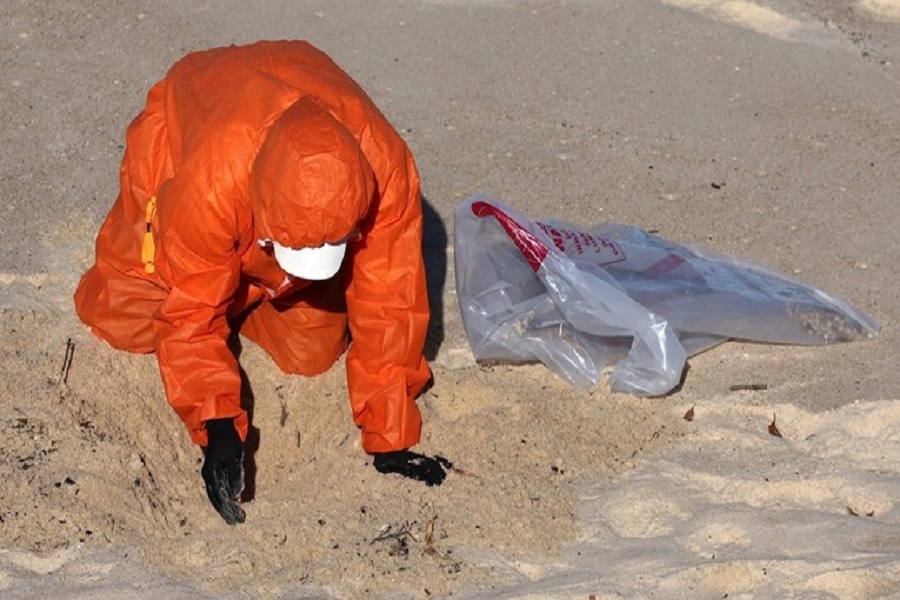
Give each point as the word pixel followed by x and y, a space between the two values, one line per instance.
pixel 223 469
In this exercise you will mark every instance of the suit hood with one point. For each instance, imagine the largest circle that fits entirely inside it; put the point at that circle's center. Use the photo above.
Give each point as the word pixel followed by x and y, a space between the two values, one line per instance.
pixel 310 183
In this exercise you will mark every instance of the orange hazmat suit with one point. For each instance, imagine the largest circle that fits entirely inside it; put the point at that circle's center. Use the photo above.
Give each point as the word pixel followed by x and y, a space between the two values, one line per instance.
pixel 271 141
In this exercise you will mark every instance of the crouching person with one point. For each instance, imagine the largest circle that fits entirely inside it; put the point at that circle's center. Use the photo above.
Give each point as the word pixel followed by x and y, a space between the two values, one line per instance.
pixel 261 185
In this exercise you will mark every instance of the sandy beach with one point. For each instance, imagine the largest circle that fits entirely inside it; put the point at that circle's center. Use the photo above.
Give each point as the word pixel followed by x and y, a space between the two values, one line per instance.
pixel 765 129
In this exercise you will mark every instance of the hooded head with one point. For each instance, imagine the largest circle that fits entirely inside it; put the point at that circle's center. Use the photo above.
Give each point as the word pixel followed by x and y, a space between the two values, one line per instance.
pixel 310 187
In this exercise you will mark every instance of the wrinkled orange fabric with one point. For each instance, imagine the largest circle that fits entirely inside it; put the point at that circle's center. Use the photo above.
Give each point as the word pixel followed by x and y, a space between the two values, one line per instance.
pixel 271 140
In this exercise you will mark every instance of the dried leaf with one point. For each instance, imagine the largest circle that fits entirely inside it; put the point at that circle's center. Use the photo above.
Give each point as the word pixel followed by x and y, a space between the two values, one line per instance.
pixel 429 532
pixel 773 430
pixel 464 473
pixel 430 550
pixel 689 415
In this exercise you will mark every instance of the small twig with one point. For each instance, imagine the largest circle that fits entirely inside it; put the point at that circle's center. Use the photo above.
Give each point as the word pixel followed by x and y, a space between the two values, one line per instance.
pixel 67 363
pixel 387 533
pixel 738 387
pixel 283 417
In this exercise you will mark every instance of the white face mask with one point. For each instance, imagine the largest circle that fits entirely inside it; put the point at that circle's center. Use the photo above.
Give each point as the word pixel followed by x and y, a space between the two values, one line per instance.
pixel 312 264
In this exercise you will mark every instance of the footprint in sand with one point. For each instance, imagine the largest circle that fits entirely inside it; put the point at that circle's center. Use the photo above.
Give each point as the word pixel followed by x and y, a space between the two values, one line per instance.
pixel 888 10
pixel 766 20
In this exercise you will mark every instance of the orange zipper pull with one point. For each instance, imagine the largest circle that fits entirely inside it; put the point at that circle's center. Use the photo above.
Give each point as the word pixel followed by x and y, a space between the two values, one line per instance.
pixel 148 247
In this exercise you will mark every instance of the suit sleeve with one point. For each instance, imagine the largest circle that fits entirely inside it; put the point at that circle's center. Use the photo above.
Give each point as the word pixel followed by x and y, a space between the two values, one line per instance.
pixel 388 313
pixel 198 260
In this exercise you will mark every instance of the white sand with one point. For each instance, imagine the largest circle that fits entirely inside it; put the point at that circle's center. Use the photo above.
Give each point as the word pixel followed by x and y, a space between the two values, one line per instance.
pixel 733 511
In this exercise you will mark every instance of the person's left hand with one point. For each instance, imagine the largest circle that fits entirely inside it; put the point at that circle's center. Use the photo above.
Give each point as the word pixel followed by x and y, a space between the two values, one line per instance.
pixel 413 465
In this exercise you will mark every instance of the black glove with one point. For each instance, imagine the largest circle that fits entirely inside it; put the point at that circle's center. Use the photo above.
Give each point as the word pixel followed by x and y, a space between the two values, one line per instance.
pixel 223 469
pixel 412 465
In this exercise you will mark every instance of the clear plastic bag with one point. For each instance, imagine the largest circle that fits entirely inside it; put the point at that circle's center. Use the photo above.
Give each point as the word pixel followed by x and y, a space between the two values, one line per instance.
pixel 581 300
